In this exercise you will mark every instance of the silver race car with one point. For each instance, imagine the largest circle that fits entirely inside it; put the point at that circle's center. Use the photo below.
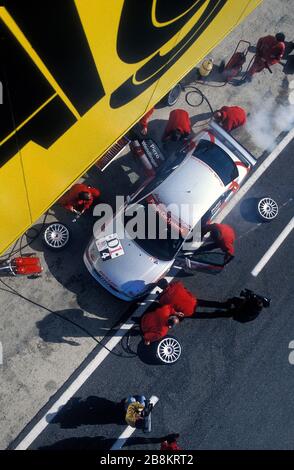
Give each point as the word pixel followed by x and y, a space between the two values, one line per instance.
pixel 201 179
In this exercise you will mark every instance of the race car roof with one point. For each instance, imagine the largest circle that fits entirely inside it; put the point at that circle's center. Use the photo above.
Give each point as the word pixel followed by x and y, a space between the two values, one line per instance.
pixel 191 189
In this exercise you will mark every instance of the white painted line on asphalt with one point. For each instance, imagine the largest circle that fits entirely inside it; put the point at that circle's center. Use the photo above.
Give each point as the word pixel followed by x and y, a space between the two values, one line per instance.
pixel 123 437
pixel 271 251
pixel 74 387
pixel 129 430
pixel 113 342
pixel 256 175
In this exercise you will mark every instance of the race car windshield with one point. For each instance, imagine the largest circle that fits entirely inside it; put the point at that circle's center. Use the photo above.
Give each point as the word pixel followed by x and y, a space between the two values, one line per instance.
pixel 155 230
pixel 217 159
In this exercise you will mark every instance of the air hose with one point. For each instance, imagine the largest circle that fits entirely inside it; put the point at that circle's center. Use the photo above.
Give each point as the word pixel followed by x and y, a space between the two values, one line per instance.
pixel 196 91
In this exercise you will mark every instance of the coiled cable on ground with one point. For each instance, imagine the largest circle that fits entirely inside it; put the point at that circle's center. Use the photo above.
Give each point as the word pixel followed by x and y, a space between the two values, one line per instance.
pixel 194 91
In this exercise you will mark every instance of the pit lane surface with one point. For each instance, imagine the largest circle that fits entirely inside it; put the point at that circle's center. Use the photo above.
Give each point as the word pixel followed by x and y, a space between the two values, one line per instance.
pixel 232 387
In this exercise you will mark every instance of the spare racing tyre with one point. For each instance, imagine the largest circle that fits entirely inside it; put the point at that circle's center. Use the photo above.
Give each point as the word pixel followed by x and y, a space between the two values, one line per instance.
pixel 267 209
pixel 56 236
pixel 168 350
pixel 173 95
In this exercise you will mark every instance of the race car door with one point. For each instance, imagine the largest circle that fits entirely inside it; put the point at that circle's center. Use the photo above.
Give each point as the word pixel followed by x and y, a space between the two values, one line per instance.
pixel 207 261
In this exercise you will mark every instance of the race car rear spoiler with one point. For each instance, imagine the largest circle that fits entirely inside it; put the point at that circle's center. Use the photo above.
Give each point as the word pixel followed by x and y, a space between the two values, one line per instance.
pixel 244 155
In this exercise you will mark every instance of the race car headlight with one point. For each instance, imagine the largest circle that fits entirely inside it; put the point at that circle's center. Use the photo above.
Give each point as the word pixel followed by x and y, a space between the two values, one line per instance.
pixel 93 252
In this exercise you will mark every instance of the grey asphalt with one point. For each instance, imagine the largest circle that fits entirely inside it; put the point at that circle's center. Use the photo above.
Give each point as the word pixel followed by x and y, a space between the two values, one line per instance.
pixel 233 385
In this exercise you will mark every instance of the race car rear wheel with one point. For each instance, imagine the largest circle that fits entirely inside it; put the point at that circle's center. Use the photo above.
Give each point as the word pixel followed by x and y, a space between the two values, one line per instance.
pixel 168 350
pixel 267 209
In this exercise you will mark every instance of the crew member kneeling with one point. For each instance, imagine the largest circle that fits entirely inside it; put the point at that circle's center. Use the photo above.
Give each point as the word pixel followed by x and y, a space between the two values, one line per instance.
pixel 178 126
pixel 79 198
pixel 155 325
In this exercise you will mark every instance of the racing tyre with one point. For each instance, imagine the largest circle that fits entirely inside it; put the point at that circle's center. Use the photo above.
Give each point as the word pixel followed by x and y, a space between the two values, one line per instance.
pixel 56 236
pixel 168 350
pixel 173 95
pixel 267 209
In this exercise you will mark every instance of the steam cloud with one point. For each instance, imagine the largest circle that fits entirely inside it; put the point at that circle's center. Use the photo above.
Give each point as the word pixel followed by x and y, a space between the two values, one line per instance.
pixel 268 119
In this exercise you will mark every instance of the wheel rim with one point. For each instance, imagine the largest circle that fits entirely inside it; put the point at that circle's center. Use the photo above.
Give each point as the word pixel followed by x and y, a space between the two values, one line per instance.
pixel 169 350
pixel 174 94
pixel 268 208
pixel 56 235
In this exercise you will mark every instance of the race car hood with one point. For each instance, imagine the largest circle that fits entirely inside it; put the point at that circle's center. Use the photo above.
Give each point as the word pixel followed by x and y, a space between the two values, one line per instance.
pixel 131 271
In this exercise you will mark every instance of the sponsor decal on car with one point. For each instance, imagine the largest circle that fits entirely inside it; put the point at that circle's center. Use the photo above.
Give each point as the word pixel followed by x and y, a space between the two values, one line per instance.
pixel 166 215
pixel 109 247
